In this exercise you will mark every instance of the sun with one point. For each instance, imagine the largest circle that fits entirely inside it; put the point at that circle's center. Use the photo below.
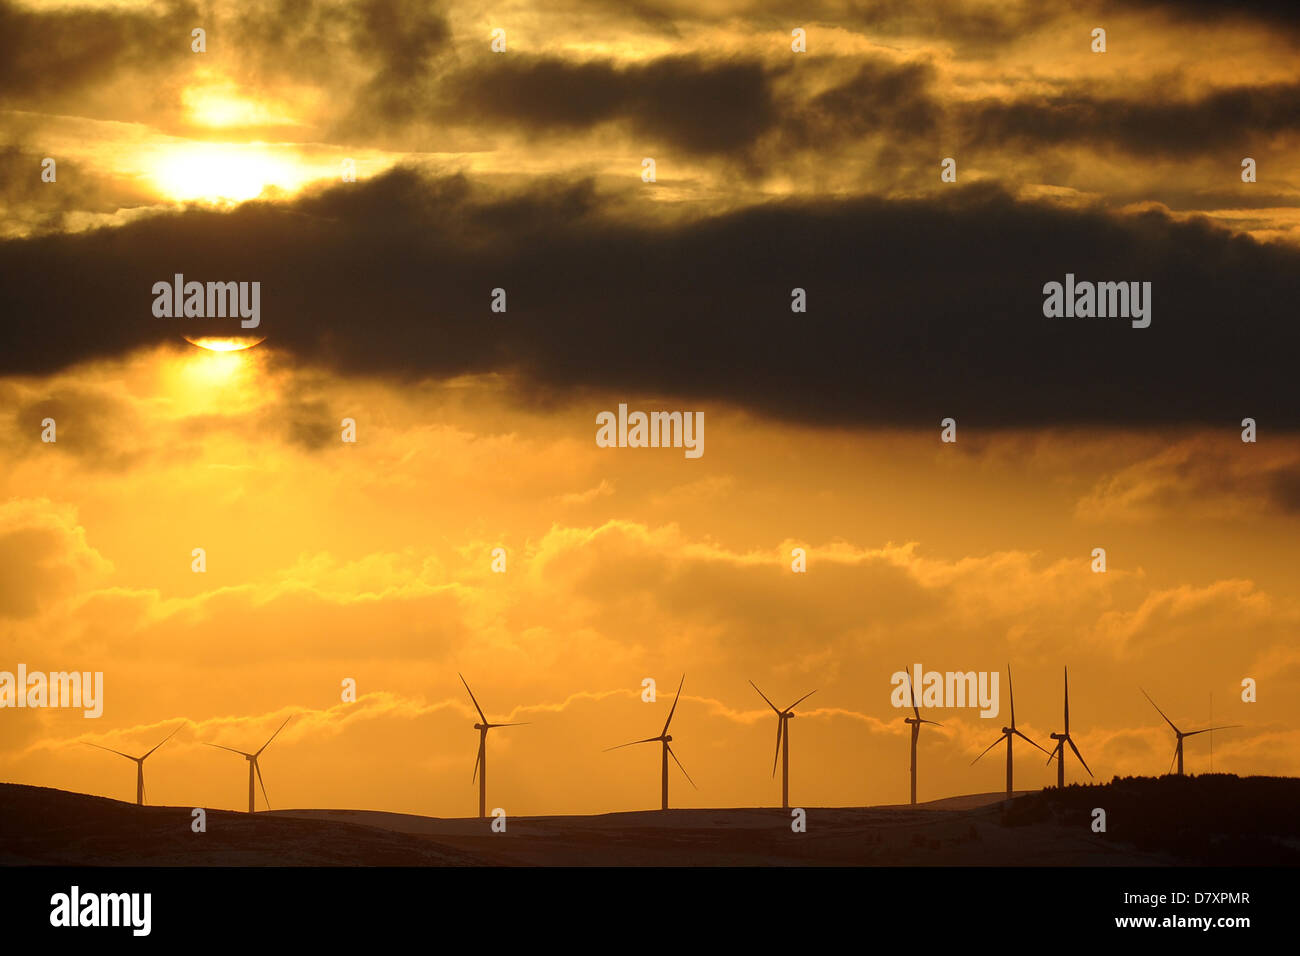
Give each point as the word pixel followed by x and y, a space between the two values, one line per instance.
pixel 216 172
pixel 233 343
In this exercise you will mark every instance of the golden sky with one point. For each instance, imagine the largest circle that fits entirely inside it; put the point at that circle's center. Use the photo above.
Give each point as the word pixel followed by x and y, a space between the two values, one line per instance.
pixel 372 560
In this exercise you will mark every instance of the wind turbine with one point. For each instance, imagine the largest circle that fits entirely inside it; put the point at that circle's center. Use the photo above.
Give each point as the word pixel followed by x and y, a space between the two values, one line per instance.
pixel 1063 739
pixel 916 723
pixel 139 764
pixel 1008 733
pixel 1178 748
pixel 253 766
pixel 783 734
pixel 482 729
pixel 665 739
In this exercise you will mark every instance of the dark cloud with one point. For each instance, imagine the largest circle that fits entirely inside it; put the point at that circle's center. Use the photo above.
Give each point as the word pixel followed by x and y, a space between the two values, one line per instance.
pixel 918 309
pixel 964 24
pixel 47 54
pixel 725 108
pixel 701 106
pixel 881 99
pixel 1284 490
pixel 401 37
pixel 1281 13
pixel 1236 117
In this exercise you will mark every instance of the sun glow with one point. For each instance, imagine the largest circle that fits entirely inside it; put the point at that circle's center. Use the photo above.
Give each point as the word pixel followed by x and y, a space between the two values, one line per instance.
pixel 221 105
pixel 203 381
pixel 224 171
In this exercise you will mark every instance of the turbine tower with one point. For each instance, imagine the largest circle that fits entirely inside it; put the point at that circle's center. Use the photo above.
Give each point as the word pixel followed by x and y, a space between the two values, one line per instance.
pixel 783 736
pixel 916 723
pixel 481 759
pixel 1179 735
pixel 1063 739
pixel 253 766
pixel 665 739
pixel 139 764
pixel 1008 733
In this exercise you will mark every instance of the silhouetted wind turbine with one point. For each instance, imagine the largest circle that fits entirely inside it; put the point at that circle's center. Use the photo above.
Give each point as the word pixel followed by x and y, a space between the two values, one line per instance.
pixel 916 723
pixel 1178 748
pixel 783 735
pixel 1008 733
pixel 139 764
pixel 253 765
pixel 481 759
pixel 1063 739
pixel 665 739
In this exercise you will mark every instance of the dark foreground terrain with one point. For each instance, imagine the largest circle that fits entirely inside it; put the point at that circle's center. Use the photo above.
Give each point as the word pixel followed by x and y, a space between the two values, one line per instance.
pixel 1214 820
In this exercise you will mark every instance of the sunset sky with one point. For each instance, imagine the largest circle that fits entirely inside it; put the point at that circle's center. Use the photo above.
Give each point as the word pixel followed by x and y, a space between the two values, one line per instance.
pixel 475 429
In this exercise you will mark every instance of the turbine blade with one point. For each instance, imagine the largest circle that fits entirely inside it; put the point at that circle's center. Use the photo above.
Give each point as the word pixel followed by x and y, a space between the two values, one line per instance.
pixel 231 749
pixel 801 700
pixel 764 696
pixel 1023 737
pixel 1012 694
pixel 1079 755
pixel 1067 702
pixel 168 737
pixel 648 740
pixel 1159 711
pixel 935 722
pixel 664 732
pixel 1054 752
pixel 276 734
pixel 780 727
pixel 990 747
pixel 679 764
pixel 911 693
pixel 478 755
pixel 1193 733
pixel 258 768
pixel 1172 759
pixel 518 723
pixel 473 698
pixel 109 749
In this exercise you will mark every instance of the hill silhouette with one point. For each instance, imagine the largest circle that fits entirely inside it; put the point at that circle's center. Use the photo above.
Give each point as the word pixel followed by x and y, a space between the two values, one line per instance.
pixel 46 827
pixel 1212 819
pixel 1217 820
